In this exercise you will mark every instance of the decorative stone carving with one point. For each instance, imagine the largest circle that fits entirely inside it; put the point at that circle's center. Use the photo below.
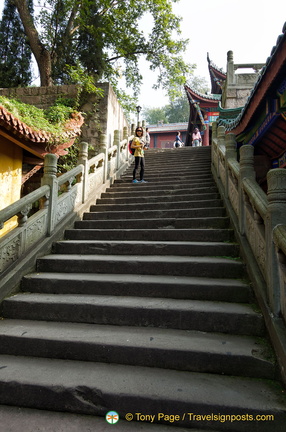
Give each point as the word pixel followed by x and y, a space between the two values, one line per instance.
pixel 10 252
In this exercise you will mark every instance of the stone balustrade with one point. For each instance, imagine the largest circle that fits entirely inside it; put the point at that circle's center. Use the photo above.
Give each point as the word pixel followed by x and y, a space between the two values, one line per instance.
pixel 57 203
pixel 259 221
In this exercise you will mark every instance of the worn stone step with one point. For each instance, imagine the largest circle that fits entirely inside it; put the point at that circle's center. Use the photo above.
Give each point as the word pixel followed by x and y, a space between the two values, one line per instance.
pixel 128 186
pixel 215 317
pixel 158 205
pixel 88 388
pixel 147 264
pixel 142 198
pixel 182 350
pixel 134 191
pixel 165 178
pixel 194 176
pixel 152 214
pixel 148 223
pixel 169 234
pixel 180 287
pixel 16 419
pixel 125 247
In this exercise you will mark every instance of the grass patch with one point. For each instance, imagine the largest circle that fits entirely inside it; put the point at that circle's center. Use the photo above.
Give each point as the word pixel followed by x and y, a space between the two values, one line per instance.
pixel 51 120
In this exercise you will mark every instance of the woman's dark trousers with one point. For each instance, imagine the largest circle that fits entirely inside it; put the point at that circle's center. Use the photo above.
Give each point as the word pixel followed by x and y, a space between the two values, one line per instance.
pixel 139 161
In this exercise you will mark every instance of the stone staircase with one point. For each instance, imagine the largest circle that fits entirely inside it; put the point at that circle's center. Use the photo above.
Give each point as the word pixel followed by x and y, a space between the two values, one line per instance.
pixel 143 309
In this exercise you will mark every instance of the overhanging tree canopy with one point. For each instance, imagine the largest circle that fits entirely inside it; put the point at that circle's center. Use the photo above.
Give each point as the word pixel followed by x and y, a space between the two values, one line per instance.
pixel 106 39
pixel 15 52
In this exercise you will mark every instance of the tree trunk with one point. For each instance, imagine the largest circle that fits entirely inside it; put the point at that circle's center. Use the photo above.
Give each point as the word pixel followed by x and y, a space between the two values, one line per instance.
pixel 41 54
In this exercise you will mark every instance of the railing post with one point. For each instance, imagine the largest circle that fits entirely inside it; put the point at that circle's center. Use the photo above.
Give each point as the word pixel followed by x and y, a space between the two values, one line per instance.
pixel 230 153
pixel 214 145
pixel 116 142
pixel 220 142
pixel 103 144
pixel 50 178
pixel 83 160
pixel 246 171
pixel 125 137
pixel 276 214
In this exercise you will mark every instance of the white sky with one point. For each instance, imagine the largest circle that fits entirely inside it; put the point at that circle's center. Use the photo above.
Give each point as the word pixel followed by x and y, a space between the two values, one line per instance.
pixel 247 27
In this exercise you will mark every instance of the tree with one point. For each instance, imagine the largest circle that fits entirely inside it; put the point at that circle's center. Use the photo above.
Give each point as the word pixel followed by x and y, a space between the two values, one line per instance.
pixel 178 110
pixel 105 39
pixel 155 115
pixel 15 52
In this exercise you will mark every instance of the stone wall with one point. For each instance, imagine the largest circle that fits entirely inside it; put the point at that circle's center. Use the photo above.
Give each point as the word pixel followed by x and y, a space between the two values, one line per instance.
pixel 238 86
pixel 102 115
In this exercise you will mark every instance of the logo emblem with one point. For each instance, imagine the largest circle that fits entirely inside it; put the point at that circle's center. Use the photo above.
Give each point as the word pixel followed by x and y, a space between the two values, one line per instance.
pixel 112 417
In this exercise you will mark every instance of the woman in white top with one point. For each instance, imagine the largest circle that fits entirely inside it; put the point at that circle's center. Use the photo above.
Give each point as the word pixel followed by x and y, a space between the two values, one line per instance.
pixel 196 138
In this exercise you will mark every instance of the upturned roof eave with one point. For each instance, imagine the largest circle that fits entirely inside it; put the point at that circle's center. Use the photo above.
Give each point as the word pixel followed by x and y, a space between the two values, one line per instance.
pixel 199 97
pixel 37 142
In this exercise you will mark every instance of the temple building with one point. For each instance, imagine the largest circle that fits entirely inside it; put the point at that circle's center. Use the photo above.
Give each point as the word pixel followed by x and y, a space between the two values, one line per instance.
pixel 261 121
pixel 229 93
pixel 249 100
pixel 204 107
pixel 163 135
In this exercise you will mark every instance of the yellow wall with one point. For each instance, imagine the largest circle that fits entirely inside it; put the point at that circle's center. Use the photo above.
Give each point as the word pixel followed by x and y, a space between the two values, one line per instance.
pixel 10 178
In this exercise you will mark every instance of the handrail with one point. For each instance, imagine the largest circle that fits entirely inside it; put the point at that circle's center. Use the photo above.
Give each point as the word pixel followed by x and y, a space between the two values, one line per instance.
pixel 257 197
pixel 69 174
pixel 262 223
pixel 15 208
pixel 85 182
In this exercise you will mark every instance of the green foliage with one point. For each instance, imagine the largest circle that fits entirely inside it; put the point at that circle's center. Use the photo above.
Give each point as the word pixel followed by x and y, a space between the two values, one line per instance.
pixel 69 161
pixel 51 120
pixel 15 52
pixel 178 109
pixel 155 115
pixel 106 38
pixel 86 82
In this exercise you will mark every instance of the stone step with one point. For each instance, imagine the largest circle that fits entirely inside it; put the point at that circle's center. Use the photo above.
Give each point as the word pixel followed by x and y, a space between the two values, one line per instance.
pixel 158 205
pixel 169 234
pixel 153 347
pixel 16 419
pixel 95 389
pixel 170 178
pixel 164 223
pixel 142 191
pixel 147 264
pixel 177 287
pixel 204 316
pixel 171 185
pixel 172 197
pixel 86 247
pixel 173 173
pixel 184 213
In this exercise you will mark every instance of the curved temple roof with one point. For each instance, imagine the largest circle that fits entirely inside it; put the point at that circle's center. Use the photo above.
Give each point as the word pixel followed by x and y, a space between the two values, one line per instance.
pixel 37 142
pixel 217 76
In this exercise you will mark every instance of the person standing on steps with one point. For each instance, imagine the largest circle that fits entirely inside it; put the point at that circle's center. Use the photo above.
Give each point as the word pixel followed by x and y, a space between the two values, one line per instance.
pixel 139 145
pixel 196 138
pixel 147 138
pixel 178 142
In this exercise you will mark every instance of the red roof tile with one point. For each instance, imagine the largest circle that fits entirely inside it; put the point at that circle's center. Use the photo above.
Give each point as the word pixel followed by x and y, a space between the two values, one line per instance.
pixel 71 130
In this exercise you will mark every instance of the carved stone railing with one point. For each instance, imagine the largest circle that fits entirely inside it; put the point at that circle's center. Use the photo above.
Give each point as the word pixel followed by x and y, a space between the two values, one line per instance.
pixel 58 202
pixel 259 220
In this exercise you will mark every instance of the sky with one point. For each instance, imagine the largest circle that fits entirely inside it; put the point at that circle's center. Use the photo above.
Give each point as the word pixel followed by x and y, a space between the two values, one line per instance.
pixel 249 28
